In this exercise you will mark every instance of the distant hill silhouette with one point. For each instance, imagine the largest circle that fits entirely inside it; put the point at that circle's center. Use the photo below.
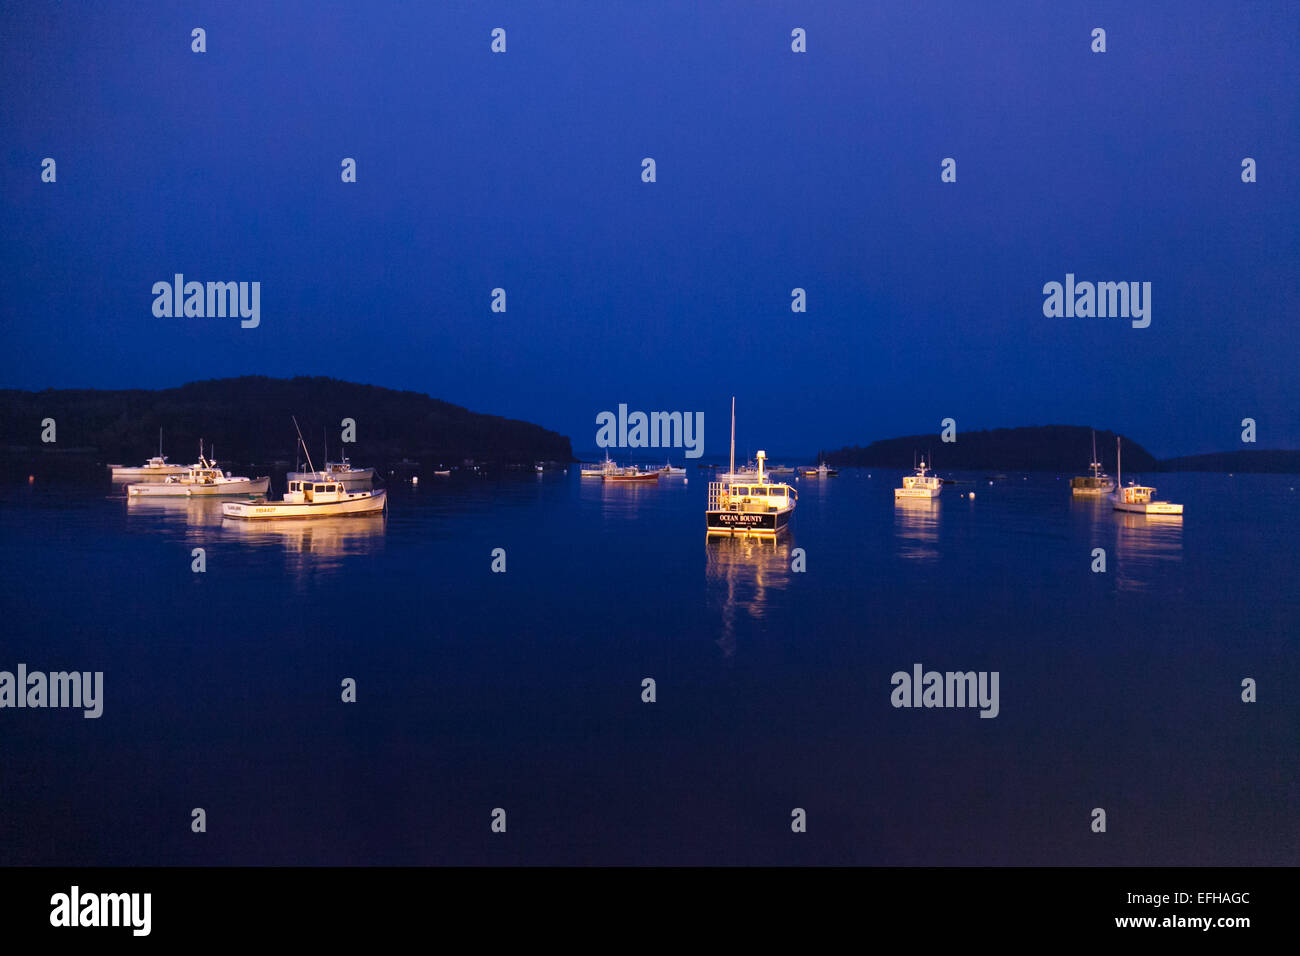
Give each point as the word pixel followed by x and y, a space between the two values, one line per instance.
pixel 1246 462
pixel 1059 448
pixel 248 420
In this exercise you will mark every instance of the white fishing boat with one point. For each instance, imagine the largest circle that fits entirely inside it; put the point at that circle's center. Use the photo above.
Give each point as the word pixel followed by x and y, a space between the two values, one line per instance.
pixel 1140 499
pixel 920 485
pixel 341 471
pixel 201 479
pixel 309 499
pixel 669 471
pixel 747 507
pixel 600 469
pixel 156 467
pixel 780 470
pixel 1095 485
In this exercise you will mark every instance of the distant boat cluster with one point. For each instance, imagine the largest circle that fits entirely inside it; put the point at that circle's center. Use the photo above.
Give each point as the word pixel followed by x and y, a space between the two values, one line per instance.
pixel 335 491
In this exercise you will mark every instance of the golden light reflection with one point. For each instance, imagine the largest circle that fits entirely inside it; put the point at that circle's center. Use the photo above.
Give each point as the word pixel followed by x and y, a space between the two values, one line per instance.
pixel 739 573
pixel 916 527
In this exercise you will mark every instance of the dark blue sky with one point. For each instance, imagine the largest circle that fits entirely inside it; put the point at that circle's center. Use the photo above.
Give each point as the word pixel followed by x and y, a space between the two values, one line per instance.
pixel 775 170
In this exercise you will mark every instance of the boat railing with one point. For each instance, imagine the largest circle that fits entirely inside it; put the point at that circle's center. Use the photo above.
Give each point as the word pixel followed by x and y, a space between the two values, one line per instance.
pixel 716 494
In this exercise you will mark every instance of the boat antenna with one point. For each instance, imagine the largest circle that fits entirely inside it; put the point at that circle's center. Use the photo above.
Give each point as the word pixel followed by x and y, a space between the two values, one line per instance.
pixel 310 466
pixel 159 441
pixel 1119 468
pixel 732 469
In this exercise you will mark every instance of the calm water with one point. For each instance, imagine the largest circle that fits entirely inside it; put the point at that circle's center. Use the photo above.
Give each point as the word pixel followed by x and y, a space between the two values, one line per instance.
pixel 522 690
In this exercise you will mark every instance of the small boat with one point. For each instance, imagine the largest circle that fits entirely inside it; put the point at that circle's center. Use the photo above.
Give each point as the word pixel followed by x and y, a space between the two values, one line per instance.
pixel 600 469
pixel 780 470
pixel 669 471
pixel 920 485
pixel 749 507
pixel 631 474
pixel 155 467
pixel 1095 485
pixel 202 479
pixel 340 471
pixel 821 471
pixel 538 468
pixel 444 473
pixel 1140 499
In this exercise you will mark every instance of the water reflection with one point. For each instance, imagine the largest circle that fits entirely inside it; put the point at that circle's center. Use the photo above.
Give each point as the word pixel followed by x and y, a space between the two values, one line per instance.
pixel 1143 544
pixel 916 526
pixel 202 512
pixel 739 573
pixel 322 537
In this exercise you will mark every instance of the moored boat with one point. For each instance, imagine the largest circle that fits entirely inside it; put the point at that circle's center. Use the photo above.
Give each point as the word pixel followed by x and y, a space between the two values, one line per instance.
pixel 202 479
pixel 599 469
pixel 920 485
pixel 1096 484
pixel 747 507
pixel 341 471
pixel 309 499
pixel 821 471
pixel 669 471
pixel 631 474
pixel 1140 499
pixel 156 467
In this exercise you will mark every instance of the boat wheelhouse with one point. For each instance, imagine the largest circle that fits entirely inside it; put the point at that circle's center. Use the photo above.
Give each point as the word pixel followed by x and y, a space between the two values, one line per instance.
pixel 920 485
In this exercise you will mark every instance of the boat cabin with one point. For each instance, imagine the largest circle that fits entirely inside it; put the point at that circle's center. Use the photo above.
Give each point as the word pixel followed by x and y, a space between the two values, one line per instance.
pixel 306 492
pixel 752 498
pixel 1137 495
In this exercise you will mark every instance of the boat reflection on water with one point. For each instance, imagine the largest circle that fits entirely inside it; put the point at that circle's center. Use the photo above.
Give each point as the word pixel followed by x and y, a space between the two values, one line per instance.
pixel 204 512
pixel 916 526
pixel 1143 544
pixel 739 572
pixel 328 537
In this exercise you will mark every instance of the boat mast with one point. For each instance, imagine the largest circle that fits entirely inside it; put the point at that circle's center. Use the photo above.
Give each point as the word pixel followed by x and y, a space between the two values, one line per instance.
pixel 731 471
pixel 160 454
pixel 310 466
pixel 1119 468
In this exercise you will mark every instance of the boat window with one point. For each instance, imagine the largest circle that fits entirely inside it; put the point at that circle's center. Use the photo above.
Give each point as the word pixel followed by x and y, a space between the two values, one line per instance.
pixel 778 492
pixel 740 491
pixel 319 488
pixel 329 487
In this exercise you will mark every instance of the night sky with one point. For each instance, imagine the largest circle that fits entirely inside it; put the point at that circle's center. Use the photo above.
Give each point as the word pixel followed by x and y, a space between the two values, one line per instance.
pixel 775 170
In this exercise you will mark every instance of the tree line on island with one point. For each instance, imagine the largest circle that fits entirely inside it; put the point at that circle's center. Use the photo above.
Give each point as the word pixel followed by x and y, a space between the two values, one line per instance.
pixel 1059 448
pixel 248 420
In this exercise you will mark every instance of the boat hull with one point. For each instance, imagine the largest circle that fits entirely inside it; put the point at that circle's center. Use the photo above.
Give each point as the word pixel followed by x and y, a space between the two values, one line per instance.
pixel 1150 508
pixel 916 492
pixel 757 523
pixel 174 489
pixel 651 476
pixel 362 504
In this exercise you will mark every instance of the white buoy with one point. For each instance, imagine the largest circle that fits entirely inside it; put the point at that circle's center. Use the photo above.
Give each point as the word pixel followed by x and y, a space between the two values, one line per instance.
pixel 415 479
